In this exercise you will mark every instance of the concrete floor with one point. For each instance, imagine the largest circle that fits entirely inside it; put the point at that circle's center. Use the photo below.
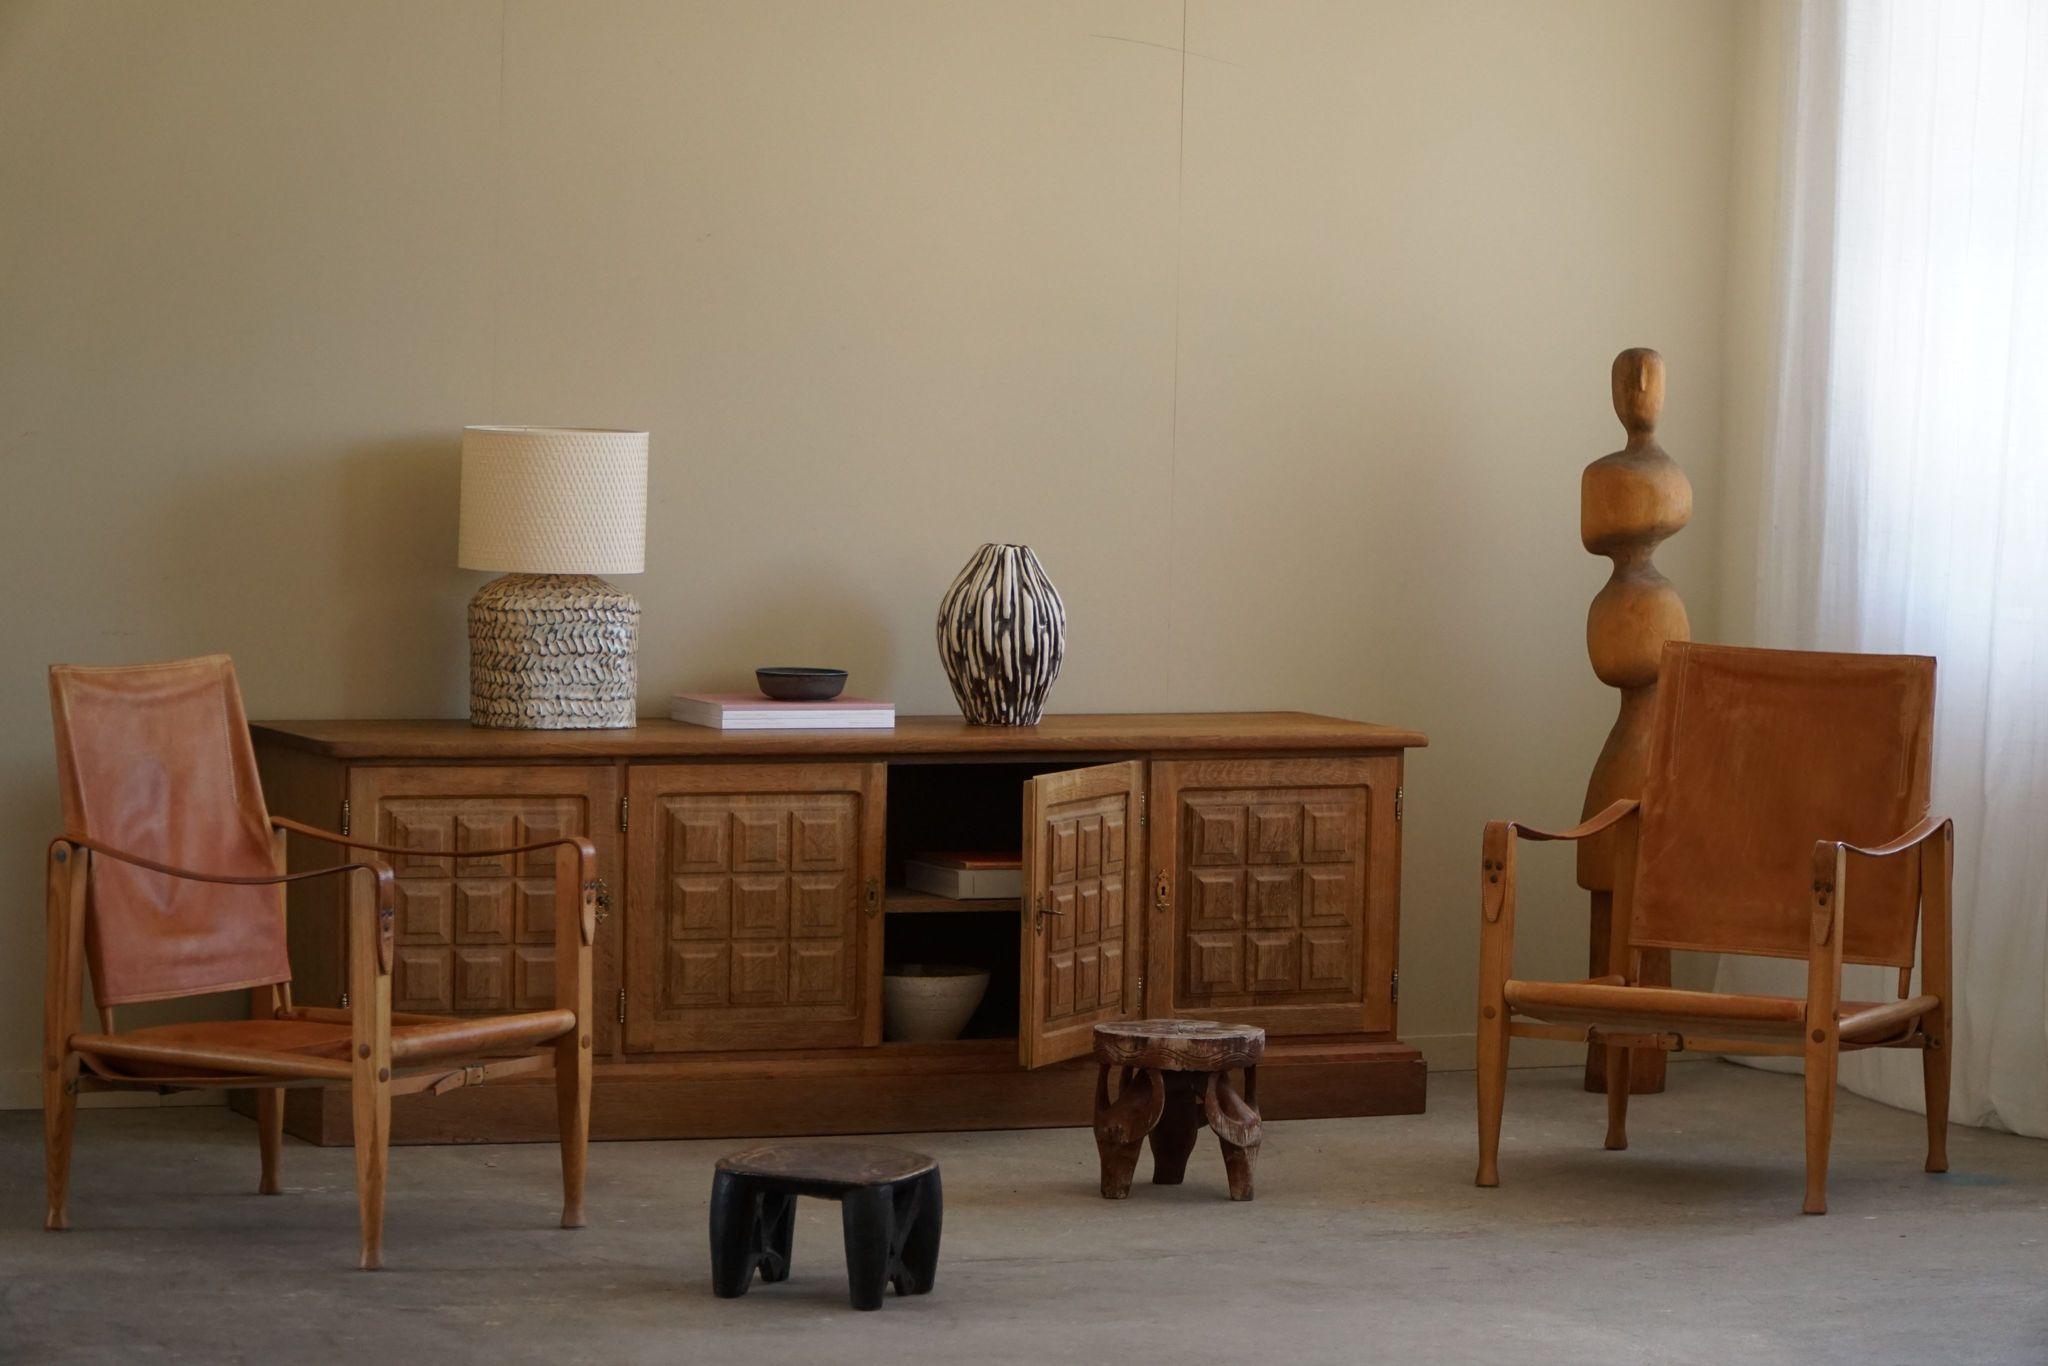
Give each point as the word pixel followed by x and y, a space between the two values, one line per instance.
pixel 1367 1242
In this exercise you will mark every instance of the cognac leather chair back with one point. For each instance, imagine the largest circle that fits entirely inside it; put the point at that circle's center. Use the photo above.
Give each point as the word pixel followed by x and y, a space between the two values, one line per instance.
pixel 156 760
pixel 1756 755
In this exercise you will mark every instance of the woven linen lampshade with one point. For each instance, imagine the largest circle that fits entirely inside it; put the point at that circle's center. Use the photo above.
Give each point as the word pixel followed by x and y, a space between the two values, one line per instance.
pixel 551 645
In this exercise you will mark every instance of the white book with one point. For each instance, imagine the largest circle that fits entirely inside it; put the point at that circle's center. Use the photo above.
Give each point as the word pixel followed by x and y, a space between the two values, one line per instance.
pixel 751 711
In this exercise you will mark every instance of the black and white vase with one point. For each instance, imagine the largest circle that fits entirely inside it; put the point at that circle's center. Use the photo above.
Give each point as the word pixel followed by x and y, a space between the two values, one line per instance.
pixel 1002 635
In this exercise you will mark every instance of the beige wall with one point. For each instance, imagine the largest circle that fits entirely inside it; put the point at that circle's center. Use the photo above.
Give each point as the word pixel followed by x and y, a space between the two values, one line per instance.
pixel 1285 354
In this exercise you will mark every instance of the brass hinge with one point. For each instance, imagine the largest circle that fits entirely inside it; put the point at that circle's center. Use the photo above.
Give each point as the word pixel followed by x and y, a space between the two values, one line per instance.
pixel 344 816
pixel 623 808
pixel 1394 986
pixel 1400 793
pixel 622 1005
pixel 344 1000
pixel 1144 812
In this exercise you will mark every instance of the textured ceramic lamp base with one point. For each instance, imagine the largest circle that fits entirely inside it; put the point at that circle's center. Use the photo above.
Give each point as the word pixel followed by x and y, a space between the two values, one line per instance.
pixel 553 652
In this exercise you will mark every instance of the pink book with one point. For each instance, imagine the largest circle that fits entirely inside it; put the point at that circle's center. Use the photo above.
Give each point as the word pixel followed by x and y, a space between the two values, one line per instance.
pixel 752 711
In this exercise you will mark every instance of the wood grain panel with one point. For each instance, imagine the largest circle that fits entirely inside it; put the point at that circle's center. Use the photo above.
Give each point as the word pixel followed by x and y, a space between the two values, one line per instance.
pixel 750 920
pixel 476 936
pixel 1078 934
pixel 1276 909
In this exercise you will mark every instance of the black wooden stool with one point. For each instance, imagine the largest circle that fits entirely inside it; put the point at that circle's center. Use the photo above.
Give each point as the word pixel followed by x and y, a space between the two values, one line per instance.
pixel 889 1203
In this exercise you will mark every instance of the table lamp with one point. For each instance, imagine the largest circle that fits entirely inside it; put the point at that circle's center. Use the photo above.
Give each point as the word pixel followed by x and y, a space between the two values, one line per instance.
pixel 551 645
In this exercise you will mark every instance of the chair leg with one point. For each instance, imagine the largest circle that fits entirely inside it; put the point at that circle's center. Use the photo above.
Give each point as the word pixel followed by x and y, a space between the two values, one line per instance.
pixel 572 1109
pixel 1493 1086
pixel 1619 1063
pixel 868 1216
pixel 270 1137
pixel 1934 1073
pixel 1820 1119
pixel 60 1122
pixel 370 1099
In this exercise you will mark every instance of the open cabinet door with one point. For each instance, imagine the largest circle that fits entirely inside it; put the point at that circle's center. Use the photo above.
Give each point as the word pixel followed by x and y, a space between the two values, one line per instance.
pixel 1079 949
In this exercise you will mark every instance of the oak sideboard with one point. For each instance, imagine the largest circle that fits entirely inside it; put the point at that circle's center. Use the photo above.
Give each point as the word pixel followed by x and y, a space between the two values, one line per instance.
pixel 1232 866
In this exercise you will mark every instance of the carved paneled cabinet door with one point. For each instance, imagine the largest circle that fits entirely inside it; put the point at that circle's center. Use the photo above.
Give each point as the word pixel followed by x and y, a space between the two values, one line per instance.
pixel 477 937
pixel 1083 870
pixel 754 906
pixel 1274 889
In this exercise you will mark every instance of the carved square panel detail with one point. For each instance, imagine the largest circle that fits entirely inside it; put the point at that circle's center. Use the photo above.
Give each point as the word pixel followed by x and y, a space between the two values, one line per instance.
pixel 533 977
pixel 533 910
pixel 1218 899
pixel 458 919
pixel 697 842
pixel 1270 961
pixel 1280 909
pixel 700 908
pixel 1327 831
pixel 1332 896
pixel 483 977
pixel 1215 963
pixel 1328 959
pixel 760 907
pixel 760 973
pixel 532 829
pixel 424 912
pixel 419 826
pixel 484 829
pixel 824 838
pixel 773 880
pixel 760 841
pixel 1215 835
pixel 1276 832
pixel 817 972
pixel 697 974
pixel 423 980
pixel 483 912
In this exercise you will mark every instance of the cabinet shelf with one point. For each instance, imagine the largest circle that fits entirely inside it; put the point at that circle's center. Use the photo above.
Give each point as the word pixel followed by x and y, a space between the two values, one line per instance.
pixel 909 901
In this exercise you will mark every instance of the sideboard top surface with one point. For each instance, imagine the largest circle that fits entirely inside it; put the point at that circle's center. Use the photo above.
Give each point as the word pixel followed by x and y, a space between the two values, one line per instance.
pixel 1108 733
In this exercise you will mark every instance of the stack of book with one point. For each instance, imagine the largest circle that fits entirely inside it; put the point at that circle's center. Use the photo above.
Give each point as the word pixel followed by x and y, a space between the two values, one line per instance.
pixel 751 711
pixel 966 877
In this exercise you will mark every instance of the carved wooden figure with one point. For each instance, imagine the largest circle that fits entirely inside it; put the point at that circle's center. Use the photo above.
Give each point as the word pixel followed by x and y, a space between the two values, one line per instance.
pixel 1630 502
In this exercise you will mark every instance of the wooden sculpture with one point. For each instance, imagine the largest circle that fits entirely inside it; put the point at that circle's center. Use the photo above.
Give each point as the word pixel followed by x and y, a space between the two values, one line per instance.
pixel 1630 502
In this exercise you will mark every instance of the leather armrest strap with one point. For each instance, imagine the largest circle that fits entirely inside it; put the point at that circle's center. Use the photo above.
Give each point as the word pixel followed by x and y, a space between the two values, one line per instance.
pixel 583 846
pixel 1583 830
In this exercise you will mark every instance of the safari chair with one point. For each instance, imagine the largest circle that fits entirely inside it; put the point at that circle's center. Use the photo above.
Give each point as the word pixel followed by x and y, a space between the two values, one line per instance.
pixel 1784 814
pixel 169 881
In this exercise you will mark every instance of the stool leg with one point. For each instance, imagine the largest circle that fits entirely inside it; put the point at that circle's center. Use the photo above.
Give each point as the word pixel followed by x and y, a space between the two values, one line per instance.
pixel 1174 1138
pixel 1121 1126
pixel 778 1234
pixel 869 1218
pixel 1238 1129
pixel 734 1215
pixel 921 1244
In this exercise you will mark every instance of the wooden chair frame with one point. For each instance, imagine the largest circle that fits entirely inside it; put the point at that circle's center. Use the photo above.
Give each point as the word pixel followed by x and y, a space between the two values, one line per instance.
pixel 1920 1022
pixel 370 1071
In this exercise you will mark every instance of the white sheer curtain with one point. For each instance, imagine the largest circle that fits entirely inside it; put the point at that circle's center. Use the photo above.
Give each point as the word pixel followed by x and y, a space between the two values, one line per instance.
pixel 1907 508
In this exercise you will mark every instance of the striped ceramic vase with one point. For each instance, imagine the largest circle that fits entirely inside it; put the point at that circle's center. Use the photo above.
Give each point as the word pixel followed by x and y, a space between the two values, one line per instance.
pixel 1002 635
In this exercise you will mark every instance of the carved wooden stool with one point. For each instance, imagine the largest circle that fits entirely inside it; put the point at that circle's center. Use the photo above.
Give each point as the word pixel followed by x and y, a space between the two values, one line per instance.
pixel 889 1203
pixel 1175 1076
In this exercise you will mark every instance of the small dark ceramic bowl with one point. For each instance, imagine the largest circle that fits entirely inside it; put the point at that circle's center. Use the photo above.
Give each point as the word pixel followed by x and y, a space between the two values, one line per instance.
pixel 801 685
